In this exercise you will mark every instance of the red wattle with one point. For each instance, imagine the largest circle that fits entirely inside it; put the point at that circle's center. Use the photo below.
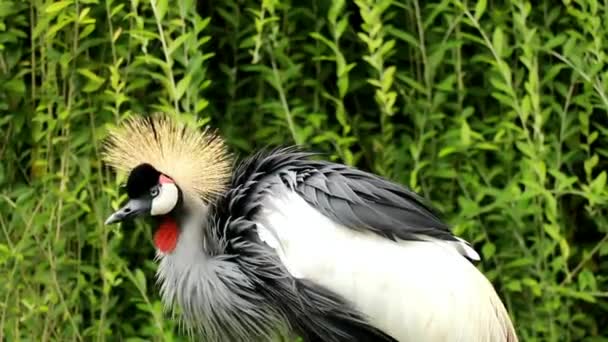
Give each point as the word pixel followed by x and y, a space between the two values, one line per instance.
pixel 165 237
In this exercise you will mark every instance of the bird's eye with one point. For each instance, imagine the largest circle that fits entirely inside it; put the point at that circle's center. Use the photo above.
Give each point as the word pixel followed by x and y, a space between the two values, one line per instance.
pixel 154 191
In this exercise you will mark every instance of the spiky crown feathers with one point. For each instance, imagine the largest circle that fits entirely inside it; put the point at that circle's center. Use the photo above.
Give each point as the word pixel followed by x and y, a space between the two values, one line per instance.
pixel 198 161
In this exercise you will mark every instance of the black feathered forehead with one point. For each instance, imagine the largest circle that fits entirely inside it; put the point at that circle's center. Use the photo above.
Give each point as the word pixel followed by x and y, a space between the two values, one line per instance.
pixel 141 179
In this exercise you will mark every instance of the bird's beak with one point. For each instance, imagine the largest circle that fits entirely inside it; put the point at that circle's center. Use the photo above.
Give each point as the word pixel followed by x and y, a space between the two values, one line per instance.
pixel 133 208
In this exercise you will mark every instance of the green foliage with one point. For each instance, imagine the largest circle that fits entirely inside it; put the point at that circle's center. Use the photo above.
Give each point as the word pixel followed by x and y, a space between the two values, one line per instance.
pixel 496 111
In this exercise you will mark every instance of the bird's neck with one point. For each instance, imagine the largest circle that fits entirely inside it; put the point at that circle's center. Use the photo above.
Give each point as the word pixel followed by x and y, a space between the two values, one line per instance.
pixel 184 232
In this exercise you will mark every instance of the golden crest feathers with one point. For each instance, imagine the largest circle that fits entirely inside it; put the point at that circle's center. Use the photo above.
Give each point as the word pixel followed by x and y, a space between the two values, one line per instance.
pixel 198 161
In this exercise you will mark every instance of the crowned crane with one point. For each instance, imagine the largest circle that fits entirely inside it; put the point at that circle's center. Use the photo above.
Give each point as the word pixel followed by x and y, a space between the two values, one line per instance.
pixel 283 245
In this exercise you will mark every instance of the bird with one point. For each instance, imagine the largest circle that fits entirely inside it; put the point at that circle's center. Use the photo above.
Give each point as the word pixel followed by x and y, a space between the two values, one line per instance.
pixel 282 244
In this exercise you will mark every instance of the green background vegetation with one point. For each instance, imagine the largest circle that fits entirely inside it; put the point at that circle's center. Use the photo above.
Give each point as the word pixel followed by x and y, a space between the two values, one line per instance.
pixel 496 111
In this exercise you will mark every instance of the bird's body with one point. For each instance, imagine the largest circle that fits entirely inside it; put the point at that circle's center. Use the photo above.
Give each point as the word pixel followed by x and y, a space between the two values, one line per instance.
pixel 414 290
pixel 296 246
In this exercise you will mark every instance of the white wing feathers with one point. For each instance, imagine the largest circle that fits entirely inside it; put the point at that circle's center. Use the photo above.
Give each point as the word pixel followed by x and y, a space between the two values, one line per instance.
pixel 412 290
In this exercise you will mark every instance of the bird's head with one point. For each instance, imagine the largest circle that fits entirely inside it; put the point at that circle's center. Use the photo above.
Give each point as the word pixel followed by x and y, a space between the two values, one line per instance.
pixel 173 170
pixel 151 193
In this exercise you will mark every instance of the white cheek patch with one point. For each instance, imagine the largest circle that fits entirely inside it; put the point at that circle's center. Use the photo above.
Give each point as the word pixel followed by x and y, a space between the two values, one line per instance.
pixel 166 199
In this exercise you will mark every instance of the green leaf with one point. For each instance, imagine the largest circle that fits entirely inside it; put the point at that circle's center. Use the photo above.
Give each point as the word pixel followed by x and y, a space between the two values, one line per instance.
pixel 15 86
pixel 341 27
pixel 140 279
pixel 336 8
pixel 57 6
pixel 94 81
pixel 590 164
pixel 488 250
pixel 177 43
pixel 403 35
pixel 342 86
pixel 387 47
pixel 182 86
pixel 514 286
pixel 564 248
pixel 480 8
pixel 161 9
pixel 598 185
pixel 533 285
pixel 498 41
pixel 411 82
pixel 465 133
pixel 86 31
pixel 587 281
pixel 574 293
pixel 116 9
pixel 446 151
pixel 201 105
pixel 387 78
pixel 553 231
pixel 321 38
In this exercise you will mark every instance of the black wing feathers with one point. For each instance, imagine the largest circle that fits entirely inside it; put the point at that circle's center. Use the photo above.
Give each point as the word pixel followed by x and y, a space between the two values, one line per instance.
pixel 368 203
pixel 354 198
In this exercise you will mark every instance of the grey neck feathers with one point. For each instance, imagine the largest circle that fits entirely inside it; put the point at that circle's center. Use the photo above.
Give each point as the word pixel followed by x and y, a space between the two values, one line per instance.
pixel 215 297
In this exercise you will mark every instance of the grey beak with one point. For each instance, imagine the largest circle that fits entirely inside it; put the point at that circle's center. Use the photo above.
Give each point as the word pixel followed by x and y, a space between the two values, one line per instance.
pixel 135 207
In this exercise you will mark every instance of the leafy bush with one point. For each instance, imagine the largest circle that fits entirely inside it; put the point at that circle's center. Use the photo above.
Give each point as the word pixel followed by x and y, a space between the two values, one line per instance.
pixel 494 110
